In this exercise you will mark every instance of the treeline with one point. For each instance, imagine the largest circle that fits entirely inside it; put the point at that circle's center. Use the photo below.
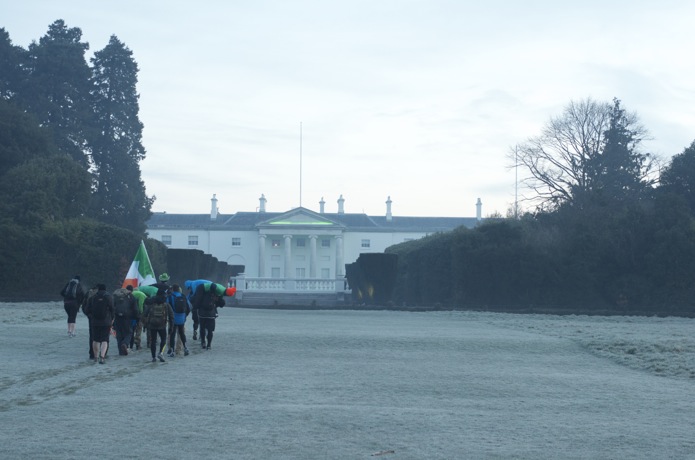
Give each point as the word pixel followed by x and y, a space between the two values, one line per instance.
pixel 615 238
pixel 72 199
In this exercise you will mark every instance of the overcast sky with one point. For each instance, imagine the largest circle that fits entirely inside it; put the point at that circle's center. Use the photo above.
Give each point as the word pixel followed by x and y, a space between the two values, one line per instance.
pixel 419 100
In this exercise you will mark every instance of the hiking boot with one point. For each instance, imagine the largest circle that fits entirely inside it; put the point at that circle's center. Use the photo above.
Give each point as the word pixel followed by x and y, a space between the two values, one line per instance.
pixel 185 352
pixel 160 357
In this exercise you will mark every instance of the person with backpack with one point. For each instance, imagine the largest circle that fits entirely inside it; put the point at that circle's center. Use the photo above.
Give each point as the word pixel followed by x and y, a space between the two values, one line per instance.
pixel 73 295
pixel 125 310
pixel 157 313
pixel 136 337
pixel 101 314
pixel 85 309
pixel 192 285
pixel 206 300
pixel 181 308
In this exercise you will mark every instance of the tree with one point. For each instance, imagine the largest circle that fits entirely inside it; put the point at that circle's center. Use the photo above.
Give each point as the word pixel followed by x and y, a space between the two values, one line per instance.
pixel 679 176
pixel 620 172
pixel 21 138
pixel 13 65
pixel 45 190
pixel 57 90
pixel 567 160
pixel 119 195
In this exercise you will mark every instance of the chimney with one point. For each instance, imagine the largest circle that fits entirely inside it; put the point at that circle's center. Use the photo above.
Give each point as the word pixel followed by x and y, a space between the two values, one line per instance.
pixel 262 200
pixel 322 205
pixel 479 209
pixel 341 203
pixel 389 217
pixel 213 210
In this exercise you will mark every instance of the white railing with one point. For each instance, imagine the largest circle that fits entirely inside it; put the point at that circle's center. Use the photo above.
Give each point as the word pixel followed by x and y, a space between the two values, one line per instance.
pixel 244 283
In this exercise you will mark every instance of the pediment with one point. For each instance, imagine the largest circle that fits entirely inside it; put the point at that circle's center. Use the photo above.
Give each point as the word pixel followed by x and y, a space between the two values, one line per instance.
pixel 299 217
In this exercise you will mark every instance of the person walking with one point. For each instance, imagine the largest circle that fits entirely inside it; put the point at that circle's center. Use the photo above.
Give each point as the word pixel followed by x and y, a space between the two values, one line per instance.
pixel 163 283
pixel 136 337
pixel 157 314
pixel 181 308
pixel 191 286
pixel 206 300
pixel 73 295
pixel 85 309
pixel 126 310
pixel 100 310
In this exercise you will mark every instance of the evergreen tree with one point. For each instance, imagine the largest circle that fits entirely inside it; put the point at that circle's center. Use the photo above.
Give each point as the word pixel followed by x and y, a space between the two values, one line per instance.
pixel 58 88
pixel 119 195
pixel 620 172
pixel 13 64
pixel 679 176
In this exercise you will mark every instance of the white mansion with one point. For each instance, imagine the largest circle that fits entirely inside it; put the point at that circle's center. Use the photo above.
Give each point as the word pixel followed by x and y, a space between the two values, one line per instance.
pixel 296 250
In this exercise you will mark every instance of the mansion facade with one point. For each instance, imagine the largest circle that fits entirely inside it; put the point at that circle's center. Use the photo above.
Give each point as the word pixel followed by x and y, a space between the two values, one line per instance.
pixel 295 249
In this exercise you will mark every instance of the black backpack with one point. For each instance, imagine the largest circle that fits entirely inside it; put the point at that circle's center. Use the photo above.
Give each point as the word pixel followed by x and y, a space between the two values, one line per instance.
pixel 100 306
pixel 180 304
pixel 70 290
pixel 121 302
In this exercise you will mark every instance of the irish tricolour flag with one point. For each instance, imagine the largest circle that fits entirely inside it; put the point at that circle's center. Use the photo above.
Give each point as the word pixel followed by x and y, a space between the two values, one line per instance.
pixel 140 272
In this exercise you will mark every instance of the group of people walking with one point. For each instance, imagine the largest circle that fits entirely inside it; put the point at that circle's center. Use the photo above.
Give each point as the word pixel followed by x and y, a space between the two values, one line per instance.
pixel 159 309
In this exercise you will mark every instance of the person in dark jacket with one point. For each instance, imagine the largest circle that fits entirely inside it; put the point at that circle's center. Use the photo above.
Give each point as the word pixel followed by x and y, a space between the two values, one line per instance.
pixel 206 300
pixel 191 286
pixel 100 311
pixel 126 309
pixel 157 314
pixel 72 299
pixel 85 309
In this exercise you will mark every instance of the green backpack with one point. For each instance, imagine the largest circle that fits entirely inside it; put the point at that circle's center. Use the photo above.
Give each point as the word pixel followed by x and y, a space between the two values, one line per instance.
pixel 157 318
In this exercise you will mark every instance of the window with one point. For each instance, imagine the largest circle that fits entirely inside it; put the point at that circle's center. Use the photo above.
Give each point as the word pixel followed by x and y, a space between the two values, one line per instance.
pixel 193 240
pixel 325 273
pixel 301 242
pixel 236 241
pixel 166 239
pixel 325 243
pixel 275 243
pixel 300 272
pixel 366 244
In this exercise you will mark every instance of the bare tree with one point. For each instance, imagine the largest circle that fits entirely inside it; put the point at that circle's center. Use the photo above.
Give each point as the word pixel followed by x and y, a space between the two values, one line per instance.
pixel 559 161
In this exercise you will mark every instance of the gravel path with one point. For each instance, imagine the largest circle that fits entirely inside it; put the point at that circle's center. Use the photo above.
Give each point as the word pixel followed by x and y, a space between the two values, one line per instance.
pixel 349 384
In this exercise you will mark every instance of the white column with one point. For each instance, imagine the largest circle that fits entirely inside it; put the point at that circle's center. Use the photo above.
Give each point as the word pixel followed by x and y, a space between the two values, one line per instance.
pixel 288 256
pixel 261 256
pixel 339 263
pixel 312 260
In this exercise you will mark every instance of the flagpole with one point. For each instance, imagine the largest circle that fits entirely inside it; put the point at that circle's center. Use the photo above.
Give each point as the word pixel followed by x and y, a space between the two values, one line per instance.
pixel 300 164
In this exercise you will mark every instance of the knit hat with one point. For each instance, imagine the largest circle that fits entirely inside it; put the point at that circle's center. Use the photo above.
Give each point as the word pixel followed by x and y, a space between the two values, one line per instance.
pixel 163 277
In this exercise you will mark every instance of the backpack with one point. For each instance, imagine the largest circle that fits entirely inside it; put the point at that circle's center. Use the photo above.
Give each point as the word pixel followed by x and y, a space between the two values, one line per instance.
pixel 121 302
pixel 70 289
pixel 157 318
pixel 180 304
pixel 100 306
